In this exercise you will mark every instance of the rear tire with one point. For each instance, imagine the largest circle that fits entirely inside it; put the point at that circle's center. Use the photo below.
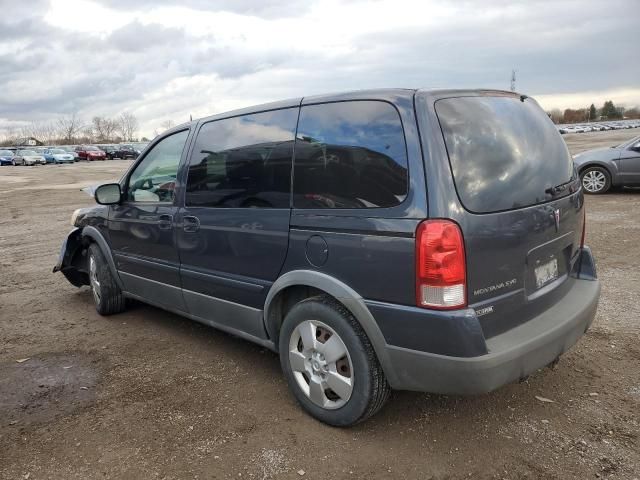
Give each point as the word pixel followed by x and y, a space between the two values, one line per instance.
pixel 595 180
pixel 107 296
pixel 329 363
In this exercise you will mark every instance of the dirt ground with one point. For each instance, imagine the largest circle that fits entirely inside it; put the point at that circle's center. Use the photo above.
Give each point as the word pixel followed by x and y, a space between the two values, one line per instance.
pixel 148 394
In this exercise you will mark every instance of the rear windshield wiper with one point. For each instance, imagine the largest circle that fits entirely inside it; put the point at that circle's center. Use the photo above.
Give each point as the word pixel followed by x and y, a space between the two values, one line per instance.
pixel 559 188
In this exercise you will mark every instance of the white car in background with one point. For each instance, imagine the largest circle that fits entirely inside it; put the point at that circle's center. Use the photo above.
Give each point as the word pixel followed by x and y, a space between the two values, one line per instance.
pixel 29 157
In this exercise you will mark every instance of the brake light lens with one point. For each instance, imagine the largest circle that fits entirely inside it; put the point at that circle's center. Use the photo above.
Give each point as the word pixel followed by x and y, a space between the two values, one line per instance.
pixel 440 265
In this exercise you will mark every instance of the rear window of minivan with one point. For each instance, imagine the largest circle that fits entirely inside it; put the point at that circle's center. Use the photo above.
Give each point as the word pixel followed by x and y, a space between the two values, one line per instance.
pixel 505 153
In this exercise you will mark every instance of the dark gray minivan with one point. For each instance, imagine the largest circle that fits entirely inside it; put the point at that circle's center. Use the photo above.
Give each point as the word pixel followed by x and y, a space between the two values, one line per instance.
pixel 378 240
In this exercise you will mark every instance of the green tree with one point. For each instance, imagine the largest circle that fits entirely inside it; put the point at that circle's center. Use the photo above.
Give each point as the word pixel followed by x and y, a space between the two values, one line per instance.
pixel 592 112
pixel 609 110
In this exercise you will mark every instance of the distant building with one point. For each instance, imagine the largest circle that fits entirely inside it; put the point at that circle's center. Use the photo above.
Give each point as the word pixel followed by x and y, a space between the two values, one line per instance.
pixel 28 142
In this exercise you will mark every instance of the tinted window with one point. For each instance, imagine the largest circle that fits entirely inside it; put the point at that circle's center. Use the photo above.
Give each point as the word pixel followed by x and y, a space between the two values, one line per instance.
pixel 350 155
pixel 505 153
pixel 154 178
pixel 243 161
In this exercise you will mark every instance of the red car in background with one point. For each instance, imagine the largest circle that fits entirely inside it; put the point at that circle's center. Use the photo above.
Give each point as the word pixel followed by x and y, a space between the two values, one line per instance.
pixel 87 152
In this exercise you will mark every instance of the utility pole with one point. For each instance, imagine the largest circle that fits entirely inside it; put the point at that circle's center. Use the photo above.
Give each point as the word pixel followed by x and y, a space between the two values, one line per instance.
pixel 513 80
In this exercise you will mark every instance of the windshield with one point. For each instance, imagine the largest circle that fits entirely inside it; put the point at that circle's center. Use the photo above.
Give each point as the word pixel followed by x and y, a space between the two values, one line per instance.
pixel 6 153
pixel 91 149
pixel 56 151
pixel 505 152
pixel 628 143
pixel 27 153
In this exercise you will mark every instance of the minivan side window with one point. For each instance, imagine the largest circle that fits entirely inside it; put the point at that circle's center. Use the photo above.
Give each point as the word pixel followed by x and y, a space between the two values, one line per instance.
pixel 350 155
pixel 243 162
pixel 154 178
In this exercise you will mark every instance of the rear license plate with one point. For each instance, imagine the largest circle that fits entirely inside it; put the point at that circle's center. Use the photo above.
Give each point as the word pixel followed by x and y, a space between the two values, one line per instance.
pixel 546 273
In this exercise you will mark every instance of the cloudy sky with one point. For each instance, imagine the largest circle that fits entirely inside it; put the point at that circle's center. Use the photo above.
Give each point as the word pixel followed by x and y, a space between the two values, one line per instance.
pixel 167 59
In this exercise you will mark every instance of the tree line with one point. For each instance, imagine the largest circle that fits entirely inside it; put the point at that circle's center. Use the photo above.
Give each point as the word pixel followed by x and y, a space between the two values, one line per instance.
pixel 608 111
pixel 71 130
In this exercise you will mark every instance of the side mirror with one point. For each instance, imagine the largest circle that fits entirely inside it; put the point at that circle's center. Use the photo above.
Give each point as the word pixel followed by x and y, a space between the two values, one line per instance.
pixel 108 194
pixel 636 147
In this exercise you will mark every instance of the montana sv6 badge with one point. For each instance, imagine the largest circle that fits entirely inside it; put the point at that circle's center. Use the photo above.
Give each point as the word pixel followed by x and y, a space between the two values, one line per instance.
pixel 495 288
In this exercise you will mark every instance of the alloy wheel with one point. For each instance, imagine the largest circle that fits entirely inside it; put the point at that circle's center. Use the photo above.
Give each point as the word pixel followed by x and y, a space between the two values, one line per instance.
pixel 594 181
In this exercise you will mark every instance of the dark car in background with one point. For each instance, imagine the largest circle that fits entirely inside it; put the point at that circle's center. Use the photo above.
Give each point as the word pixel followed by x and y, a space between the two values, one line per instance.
pixel 125 151
pixel 109 150
pixel 603 168
pixel 88 152
pixel 417 242
pixel 7 157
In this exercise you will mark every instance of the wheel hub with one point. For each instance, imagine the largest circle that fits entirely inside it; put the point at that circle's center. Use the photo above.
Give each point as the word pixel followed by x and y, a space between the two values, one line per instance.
pixel 318 364
pixel 321 364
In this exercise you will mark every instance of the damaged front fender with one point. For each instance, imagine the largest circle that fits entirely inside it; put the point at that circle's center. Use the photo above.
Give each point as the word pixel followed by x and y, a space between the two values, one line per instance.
pixel 71 259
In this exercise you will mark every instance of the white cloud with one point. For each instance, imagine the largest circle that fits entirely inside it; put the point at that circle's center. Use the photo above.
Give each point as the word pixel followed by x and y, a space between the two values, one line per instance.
pixel 629 97
pixel 164 59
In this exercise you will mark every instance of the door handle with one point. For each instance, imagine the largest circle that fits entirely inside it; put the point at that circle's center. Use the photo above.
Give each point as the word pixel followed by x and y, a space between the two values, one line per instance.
pixel 190 224
pixel 165 222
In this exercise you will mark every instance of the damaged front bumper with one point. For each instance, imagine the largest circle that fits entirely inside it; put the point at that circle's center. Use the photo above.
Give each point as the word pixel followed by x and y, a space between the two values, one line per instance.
pixel 69 259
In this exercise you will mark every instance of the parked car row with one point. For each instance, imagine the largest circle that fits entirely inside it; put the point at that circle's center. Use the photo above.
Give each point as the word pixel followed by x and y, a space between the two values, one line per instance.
pixel 21 157
pixel 598 126
pixel 67 154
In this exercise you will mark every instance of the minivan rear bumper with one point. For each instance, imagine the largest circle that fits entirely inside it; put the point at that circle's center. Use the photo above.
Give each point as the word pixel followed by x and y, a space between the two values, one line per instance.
pixel 511 355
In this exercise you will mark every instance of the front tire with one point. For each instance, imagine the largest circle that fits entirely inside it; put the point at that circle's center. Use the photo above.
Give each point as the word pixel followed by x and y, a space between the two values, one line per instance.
pixel 107 296
pixel 595 180
pixel 329 363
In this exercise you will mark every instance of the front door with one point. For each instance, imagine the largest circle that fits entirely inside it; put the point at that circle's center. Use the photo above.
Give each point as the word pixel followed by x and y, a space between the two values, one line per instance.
pixel 233 230
pixel 630 164
pixel 141 227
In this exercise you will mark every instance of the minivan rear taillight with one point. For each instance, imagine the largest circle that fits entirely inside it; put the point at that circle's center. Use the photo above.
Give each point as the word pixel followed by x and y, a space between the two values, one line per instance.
pixel 440 265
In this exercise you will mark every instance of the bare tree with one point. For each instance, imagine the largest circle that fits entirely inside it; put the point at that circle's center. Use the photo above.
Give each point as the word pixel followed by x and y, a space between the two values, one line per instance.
pixel 110 127
pixel 89 134
pixel 556 115
pixel 166 125
pixel 97 125
pixel 11 136
pixel 104 129
pixel 49 132
pixel 69 127
pixel 127 126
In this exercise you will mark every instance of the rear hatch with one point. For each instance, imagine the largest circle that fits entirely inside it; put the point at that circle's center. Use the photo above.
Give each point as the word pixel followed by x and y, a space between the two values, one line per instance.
pixel 523 216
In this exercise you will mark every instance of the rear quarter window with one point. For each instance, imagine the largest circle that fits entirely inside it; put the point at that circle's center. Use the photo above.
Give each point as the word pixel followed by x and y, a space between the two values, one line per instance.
pixel 350 155
pixel 505 153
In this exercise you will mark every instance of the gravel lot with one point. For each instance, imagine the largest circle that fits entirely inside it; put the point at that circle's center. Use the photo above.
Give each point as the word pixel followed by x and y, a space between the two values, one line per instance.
pixel 147 394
